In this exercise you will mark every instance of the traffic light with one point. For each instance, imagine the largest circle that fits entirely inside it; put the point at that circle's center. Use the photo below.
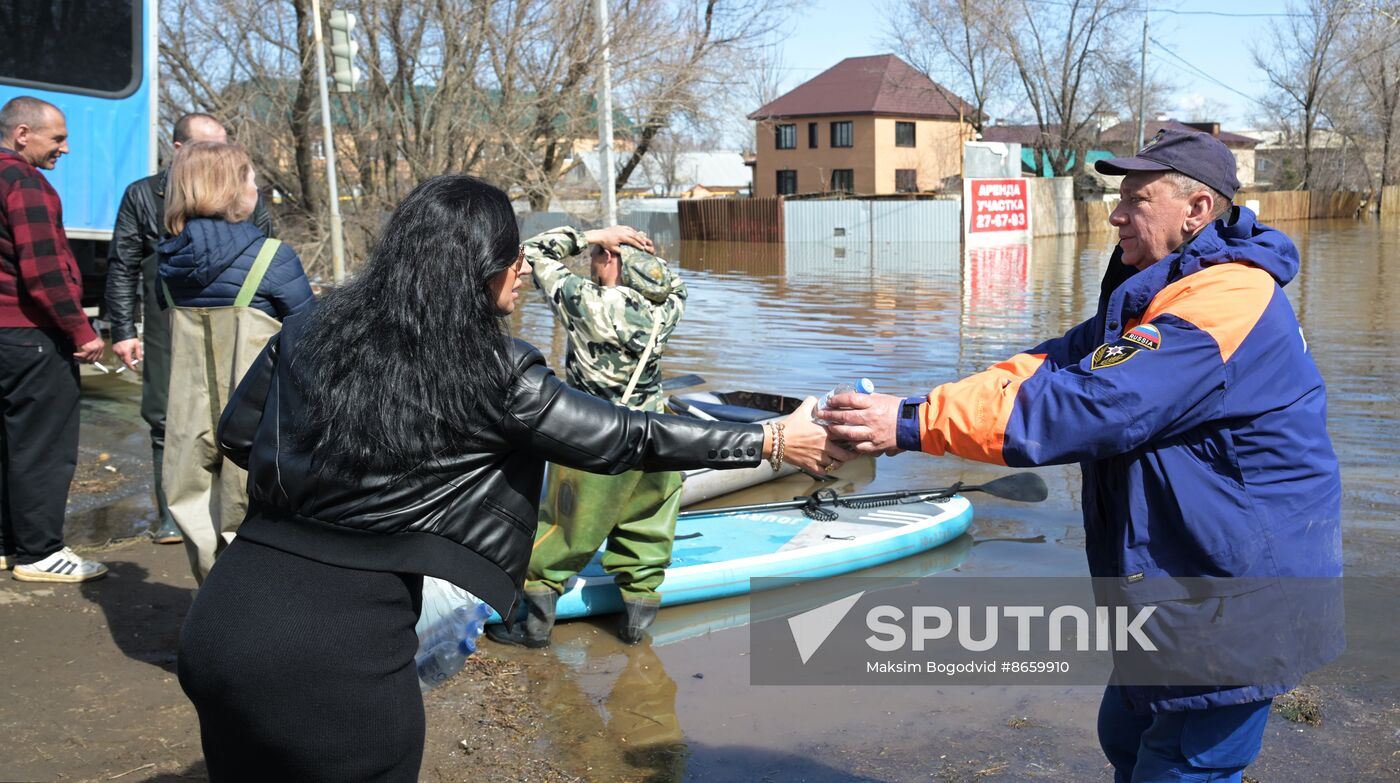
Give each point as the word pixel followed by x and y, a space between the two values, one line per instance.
pixel 343 51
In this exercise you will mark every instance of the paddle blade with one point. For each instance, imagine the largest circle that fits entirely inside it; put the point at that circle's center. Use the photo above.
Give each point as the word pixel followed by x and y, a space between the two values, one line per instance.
pixel 681 382
pixel 1025 487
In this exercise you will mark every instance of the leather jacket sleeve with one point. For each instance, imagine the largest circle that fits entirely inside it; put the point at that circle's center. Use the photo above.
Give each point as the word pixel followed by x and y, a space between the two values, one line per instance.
pixel 124 258
pixel 239 423
pixel 578 430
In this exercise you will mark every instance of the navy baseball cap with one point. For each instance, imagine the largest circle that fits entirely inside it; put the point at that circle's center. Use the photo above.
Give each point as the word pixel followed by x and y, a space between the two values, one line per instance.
pixel 1198 155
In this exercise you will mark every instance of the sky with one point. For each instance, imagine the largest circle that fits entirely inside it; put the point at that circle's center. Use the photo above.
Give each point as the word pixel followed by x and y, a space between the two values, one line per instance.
pixel 829 30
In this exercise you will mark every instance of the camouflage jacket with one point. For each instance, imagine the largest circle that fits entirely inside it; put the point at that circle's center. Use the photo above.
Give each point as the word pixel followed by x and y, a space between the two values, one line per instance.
pixel 607 326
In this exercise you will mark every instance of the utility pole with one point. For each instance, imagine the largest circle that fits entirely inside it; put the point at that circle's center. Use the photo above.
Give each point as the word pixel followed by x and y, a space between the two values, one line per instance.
pixel 605 118
pixel 1142 86
pixel 328 142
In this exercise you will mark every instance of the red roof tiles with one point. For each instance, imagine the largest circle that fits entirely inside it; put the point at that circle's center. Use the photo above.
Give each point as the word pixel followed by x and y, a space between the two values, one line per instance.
pixel 880 84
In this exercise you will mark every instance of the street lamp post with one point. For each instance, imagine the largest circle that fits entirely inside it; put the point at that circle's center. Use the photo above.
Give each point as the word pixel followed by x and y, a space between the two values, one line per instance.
pixel 328 141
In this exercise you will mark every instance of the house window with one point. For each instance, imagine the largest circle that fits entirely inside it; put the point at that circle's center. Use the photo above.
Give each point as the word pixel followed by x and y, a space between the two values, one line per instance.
pixel 811 135
pixel 904 134
pixel 906 180
pixel 787 182
pixel 843 180
pixel 787 137
pixel 841 134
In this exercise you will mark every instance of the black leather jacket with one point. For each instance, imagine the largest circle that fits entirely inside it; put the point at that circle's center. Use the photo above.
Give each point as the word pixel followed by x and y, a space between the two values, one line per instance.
pixel 132 257
pixel 470 517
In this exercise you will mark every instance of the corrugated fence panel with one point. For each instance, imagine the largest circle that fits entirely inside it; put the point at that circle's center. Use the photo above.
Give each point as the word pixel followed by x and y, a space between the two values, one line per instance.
pixel 732 219
pixel 854 222
pixel 1052 206
pixel 916 221
pixel 846 221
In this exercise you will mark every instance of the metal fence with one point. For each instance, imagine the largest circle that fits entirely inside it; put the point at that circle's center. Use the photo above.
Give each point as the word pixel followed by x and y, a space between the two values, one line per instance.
pixel 732 219
pixel 856 221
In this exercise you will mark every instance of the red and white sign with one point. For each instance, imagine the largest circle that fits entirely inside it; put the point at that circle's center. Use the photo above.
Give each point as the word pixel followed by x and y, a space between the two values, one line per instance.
pixel 997 205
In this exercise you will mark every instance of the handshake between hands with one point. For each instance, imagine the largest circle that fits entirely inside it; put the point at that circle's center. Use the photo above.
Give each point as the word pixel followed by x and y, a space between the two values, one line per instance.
pixel 859 424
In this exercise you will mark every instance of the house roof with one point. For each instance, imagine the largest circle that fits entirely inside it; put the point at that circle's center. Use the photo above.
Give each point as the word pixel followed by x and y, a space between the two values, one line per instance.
pixel 1025 135
pixel 1126 132
pixel 879 84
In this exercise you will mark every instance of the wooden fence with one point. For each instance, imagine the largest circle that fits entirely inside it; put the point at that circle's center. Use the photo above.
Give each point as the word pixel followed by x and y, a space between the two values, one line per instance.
pixel 1390 200
pixel 1272 206
pixel 732 219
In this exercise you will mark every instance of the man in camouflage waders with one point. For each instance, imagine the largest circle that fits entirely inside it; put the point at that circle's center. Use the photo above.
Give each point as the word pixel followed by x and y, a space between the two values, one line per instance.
pixel 617 325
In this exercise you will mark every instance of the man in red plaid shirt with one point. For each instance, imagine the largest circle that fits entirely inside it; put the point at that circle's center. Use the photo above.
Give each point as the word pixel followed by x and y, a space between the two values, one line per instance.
pixel 43 335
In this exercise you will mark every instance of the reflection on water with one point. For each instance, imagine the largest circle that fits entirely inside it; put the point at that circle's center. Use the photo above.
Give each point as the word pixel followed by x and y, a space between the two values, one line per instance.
pixel 612 707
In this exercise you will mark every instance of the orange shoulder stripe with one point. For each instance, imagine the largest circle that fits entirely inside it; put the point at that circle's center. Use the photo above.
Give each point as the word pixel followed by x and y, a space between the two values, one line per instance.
pixel 1224 301
pixel 968 417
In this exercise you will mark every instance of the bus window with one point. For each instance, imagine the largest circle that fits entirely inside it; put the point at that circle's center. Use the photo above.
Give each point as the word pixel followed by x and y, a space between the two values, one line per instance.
pixel 83 46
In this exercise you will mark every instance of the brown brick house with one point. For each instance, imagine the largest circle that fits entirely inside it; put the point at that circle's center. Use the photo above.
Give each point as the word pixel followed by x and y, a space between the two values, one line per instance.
pixel 866 125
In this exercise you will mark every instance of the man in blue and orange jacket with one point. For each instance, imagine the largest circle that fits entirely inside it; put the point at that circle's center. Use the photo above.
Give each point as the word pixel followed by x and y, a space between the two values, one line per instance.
pixel 1193 406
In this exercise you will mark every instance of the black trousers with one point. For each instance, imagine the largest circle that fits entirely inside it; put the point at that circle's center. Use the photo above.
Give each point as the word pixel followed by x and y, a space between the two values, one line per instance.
pixel 38 440
pixel 155 373
pixel 304 671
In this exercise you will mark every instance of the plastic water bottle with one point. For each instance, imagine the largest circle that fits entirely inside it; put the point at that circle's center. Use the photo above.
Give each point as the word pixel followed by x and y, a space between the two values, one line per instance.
pixel 448 643
pixel 861 386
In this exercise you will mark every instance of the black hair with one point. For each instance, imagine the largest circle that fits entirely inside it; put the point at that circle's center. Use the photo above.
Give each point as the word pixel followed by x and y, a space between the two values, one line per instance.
pixel 401 363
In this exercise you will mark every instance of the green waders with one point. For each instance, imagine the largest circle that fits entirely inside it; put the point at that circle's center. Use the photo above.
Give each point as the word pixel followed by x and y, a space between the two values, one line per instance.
pixel 211 348
pixel 634 513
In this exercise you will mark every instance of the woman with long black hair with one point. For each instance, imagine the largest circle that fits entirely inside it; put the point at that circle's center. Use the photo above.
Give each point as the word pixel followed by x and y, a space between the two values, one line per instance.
pixel 396 431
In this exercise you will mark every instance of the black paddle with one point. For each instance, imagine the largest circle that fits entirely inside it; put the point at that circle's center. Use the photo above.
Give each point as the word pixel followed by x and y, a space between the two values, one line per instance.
pixel 681 382
pixel 1023 487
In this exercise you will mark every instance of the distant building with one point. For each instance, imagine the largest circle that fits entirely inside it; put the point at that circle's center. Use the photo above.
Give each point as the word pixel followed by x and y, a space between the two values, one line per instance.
pixel 866 125
pixel 1279 160
pixel 1121 139
pixel 698 174
pixel 1031 137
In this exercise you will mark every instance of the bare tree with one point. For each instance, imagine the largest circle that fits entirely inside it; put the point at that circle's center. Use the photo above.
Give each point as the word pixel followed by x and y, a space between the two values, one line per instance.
pixel 1301 63
pixel 1067 60
pixel 1374 45
pixel 957 42
pixel 501 88
pixel 697 50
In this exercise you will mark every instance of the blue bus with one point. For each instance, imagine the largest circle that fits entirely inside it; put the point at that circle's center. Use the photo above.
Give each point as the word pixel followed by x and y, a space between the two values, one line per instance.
pixel 97 61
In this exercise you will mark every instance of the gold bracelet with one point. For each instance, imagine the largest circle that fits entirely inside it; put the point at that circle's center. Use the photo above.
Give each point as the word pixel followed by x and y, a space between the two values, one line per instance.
pixel 775 459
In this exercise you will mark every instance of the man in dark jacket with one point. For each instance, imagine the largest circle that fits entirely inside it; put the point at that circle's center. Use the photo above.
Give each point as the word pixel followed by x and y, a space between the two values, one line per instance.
pixel 131 277
pixel 1199 420
pixel 43 335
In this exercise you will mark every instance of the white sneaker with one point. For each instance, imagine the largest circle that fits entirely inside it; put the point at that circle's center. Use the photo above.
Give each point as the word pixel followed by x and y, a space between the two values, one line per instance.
pixel 61 566
pixel 4 562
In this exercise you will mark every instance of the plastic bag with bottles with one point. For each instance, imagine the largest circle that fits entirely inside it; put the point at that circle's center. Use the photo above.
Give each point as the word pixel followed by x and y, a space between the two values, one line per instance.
pixel 449 625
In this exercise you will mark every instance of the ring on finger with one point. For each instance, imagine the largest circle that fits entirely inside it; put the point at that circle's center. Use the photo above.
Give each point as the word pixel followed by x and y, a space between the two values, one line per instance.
pixel 831 466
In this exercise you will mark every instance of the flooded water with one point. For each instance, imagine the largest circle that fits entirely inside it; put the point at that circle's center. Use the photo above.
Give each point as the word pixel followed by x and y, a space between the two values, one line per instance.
pixel 799 319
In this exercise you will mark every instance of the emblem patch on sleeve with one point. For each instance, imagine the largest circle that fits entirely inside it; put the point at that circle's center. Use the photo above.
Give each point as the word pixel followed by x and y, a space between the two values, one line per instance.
pixel 1145 335
pixel 1110 355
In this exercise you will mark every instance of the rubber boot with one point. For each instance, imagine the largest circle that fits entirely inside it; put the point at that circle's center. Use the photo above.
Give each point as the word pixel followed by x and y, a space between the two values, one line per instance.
pixel 168 532
pixel 534 630
pixel 637 617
